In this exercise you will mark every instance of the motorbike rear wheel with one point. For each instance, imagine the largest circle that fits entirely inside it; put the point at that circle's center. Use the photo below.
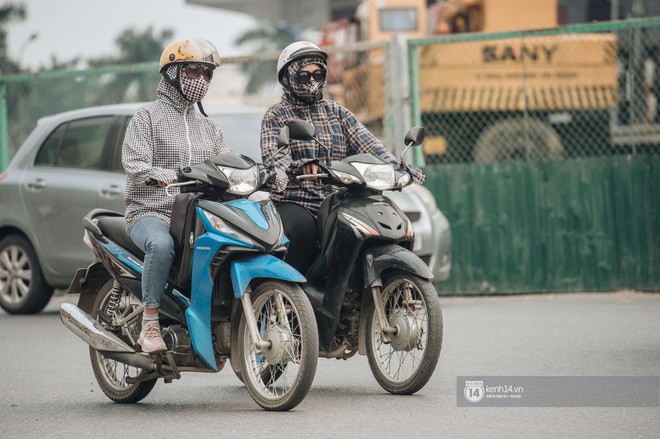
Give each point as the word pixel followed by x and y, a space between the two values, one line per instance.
pixel 279 377
pixel 112 376
pixel 404 364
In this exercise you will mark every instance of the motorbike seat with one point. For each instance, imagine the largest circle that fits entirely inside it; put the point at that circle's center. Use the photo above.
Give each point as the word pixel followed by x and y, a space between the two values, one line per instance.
pixel 113 227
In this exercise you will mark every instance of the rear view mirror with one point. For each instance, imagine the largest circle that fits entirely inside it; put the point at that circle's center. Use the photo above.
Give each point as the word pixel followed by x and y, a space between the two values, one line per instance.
pixel 283 138
pixel 415 136
pixel 301 130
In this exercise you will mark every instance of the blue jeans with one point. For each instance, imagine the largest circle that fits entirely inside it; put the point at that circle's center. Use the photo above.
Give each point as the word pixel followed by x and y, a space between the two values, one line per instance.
pixel 152 235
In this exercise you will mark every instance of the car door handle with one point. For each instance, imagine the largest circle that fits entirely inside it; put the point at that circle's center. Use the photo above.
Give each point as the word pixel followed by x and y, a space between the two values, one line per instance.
pixel 36 184
pixel 112 190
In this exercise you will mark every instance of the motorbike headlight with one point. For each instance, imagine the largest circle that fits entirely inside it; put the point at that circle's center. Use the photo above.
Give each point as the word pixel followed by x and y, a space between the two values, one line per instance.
pixel 241 181
pixel 378 177
pixel 218 224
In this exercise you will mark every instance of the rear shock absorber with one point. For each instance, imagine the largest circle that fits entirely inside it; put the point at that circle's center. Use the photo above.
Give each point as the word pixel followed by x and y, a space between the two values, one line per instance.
pixel 115 297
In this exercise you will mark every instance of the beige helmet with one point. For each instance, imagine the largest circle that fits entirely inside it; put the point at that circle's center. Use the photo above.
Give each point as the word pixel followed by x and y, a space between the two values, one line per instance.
pixel 190 50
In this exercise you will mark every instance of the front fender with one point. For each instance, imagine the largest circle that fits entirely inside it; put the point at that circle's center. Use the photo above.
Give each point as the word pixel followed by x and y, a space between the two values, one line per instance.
pixel 391 256
pixel 263 265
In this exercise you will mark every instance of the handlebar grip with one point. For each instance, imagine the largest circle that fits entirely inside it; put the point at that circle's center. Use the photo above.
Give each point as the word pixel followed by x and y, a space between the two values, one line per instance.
pixel 272 176
pixel 311 176
pixel 151 181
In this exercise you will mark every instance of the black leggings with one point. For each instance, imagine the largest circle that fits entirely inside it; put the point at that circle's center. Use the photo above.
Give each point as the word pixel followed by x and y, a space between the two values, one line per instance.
pixel 300 227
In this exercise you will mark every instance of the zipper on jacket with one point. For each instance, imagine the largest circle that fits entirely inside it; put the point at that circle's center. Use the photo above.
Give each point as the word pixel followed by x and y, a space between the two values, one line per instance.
pixel 185 121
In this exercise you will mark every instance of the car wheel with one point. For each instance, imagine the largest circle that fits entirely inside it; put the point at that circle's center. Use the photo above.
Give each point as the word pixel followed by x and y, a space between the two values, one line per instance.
pixel 23 289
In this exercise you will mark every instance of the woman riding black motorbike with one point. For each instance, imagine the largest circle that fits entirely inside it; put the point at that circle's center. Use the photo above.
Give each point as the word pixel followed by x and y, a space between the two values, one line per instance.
pixel 302 69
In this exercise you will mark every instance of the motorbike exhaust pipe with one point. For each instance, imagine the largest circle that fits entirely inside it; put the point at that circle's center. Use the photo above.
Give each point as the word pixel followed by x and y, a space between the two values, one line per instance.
pixel 107 343
pixel 85 327
pixel 132 359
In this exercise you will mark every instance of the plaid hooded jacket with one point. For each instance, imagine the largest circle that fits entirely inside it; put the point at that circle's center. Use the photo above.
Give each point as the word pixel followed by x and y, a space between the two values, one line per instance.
pixel 336 127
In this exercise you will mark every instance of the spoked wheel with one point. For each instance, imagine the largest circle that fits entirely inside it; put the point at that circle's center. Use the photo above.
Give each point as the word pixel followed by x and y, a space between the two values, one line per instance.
pixel 403 363
pixel 120 382
pixel 279 376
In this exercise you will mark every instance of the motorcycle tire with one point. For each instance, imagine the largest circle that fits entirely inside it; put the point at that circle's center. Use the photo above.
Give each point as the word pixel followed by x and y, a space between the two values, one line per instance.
pixel 112 375
pixel 279 377
pixel 406 362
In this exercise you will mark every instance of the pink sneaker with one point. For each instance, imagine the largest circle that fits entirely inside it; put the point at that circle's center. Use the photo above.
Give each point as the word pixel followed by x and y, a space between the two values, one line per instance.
pixel 150 339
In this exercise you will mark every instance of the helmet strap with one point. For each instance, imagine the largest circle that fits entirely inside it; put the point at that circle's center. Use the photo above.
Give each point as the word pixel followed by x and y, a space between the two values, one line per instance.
pixel 201 109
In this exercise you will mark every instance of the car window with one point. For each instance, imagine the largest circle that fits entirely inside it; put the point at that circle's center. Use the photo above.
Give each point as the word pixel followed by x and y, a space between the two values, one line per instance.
pixel 48 152
pixel 77 144
pixel 242 133
pixel 115 159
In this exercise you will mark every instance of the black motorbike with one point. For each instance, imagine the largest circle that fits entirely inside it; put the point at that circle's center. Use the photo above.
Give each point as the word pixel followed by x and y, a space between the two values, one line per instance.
pixel 372 295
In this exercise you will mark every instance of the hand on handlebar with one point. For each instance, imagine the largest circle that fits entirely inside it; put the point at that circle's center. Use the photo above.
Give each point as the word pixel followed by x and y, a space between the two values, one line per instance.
pixel 307 167
pixel 310 168
pixel 154 182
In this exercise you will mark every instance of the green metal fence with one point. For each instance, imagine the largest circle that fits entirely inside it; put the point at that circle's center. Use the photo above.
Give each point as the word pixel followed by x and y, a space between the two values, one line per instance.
pixel 24 98
pixel 544 155
pixel 575 91
pixel 588 224
pixel 241 80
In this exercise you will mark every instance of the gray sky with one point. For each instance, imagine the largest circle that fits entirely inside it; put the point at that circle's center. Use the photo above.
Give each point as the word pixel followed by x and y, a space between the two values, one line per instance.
pixel 88 28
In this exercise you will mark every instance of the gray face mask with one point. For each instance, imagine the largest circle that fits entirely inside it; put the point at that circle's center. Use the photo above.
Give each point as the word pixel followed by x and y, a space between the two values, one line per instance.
pixel 307 93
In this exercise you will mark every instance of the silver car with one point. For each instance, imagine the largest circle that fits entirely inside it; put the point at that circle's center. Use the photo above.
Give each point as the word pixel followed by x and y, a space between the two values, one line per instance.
pixel 71 163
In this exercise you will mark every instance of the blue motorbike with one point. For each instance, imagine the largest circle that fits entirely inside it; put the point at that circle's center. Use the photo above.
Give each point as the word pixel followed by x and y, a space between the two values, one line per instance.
pixel 230 296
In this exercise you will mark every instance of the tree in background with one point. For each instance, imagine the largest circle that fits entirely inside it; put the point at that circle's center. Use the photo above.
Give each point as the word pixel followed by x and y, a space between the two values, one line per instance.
pixel 134 47
pixel 265 38
pixel 15 100
pixel 8 13
pixel 29 100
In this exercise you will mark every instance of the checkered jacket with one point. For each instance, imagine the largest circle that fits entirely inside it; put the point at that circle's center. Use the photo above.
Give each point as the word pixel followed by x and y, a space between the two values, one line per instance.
pixel 162 136
pixel 336 127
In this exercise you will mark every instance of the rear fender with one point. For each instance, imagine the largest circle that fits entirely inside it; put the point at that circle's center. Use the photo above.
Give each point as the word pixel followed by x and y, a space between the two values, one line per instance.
pixel 87 283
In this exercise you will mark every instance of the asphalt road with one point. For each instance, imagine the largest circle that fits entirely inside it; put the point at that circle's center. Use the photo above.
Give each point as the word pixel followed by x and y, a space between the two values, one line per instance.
pixel 47 388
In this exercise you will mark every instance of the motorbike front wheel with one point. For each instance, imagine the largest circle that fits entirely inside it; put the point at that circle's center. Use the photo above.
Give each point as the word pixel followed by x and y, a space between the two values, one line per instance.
pixel 120 382
pixel 403 363
pixel 279 376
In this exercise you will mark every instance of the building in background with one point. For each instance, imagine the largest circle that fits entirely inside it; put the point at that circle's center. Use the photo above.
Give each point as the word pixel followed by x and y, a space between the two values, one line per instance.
pixel 307 14
pixel 314 13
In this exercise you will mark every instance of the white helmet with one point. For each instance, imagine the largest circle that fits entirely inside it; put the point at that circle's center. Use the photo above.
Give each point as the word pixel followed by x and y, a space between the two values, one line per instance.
pixel 297 50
